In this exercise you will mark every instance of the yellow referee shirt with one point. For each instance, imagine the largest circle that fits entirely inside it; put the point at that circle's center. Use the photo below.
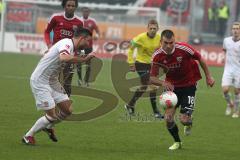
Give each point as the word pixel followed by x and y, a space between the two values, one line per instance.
pixel 145 48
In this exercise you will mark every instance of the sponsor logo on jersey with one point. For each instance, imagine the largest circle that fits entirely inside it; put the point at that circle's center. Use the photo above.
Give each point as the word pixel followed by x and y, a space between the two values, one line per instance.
pixel 66 33
pixel 179 59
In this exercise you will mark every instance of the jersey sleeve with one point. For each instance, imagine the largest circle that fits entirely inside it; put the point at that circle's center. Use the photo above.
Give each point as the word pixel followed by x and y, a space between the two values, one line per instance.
pixel 51 24
pixel 130 54
pixel 155 66
pixel 193 52
pixel 224 44
pixel 64 47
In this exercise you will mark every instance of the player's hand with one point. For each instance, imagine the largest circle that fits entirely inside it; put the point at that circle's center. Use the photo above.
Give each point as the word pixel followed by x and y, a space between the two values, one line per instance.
pixel 49 46
pixel 132 68
pixel 90 56
pixel 96 37
pixel 167 86
pixel 210 81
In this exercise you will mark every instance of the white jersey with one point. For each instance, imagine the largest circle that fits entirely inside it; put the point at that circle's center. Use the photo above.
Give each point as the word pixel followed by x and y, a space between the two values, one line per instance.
pixel 232 62
pixel 49 67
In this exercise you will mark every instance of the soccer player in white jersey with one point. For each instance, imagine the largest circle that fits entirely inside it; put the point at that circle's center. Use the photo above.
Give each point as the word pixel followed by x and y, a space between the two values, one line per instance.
pixel 46 87
pixel 231 74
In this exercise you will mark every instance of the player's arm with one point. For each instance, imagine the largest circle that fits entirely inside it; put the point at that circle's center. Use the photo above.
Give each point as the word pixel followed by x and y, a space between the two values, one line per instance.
pixel 49 28
pixel 130 59
pixel 158 82
pixel 97 35
pixel 209 79
pixel 154 77
pixel 197 56
pixel 66 57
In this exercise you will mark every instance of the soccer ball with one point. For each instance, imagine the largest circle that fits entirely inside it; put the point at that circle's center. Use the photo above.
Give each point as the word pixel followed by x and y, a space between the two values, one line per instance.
pixel 168 99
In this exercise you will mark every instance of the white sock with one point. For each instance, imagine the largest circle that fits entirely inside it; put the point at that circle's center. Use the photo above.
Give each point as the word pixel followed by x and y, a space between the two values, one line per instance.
pixel 236 102
pixel 40 124
pixel 227 97
pixel 61 116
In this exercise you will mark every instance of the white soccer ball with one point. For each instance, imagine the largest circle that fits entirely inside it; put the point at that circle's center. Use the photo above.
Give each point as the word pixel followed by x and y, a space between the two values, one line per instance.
pixel 168 99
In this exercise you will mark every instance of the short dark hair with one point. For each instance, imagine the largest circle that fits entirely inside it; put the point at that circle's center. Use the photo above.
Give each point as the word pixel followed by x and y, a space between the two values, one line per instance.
pixel 152 21
pixel 167 33
pixel 80 31
pixel 65 1
pixel 83 8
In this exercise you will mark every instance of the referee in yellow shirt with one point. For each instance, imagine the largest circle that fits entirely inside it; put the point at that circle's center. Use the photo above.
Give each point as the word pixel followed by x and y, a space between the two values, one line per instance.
pixel 145 43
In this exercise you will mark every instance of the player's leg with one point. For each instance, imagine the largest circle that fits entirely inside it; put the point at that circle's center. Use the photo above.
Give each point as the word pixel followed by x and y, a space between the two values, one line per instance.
pixel 227 81
pixel 172 128
pixel 143 73
pixel 40 124
pixel 236 102
pixel 63 102
pixel 88 66
pixel 187 104
pixel 67 77
pixel 153 100
pixel 153 93
pixel 88 72
pixel 44 101
pixel 61 99
pixel 79 73
pixel 236 85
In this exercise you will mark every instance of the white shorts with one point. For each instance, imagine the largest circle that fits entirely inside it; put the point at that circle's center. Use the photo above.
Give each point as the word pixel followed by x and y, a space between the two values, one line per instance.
pixel 231 79
pixel 47 96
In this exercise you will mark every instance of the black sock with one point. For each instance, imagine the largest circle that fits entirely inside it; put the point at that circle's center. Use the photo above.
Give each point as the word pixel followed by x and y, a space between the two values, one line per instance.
pixel 173 130
pixel 135 97
pixel 153 102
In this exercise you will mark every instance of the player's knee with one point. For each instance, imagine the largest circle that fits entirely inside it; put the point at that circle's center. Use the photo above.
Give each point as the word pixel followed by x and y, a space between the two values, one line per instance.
pixel 68 111
pixel 169 118
pixel 225 90
pixel 186 120
pixel 65 107
pixel 187 123
pixel 170 124
pixel 51 118
pixel 143 88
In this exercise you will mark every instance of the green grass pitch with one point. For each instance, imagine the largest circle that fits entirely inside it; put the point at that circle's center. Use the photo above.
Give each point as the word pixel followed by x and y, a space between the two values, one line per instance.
pixel 113 136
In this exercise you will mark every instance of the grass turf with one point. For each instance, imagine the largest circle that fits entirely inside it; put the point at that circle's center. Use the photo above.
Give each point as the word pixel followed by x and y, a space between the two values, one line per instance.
pixel 112 136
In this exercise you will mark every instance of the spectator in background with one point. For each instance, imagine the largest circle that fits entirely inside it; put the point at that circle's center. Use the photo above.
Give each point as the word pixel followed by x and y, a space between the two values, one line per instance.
pixel 90 24
pixel 223 16
pixel 212 18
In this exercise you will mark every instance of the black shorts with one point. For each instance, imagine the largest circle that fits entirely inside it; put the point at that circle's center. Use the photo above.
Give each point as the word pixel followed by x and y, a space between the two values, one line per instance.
pixel 143 70
pixel 88 50
pixel 186 99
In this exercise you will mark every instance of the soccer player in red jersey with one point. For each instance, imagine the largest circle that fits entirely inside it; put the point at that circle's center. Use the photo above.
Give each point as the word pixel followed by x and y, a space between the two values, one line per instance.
pixel 181 62
pixel 62 25
pixel 89 23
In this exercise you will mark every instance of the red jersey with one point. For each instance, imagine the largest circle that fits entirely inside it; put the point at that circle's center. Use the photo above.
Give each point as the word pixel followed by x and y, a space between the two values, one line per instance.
pixel 183 70
pixel 90 24
pixel 61 26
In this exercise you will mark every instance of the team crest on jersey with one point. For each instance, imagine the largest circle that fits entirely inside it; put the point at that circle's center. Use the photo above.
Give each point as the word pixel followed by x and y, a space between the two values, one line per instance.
pixel 67 46
pixel 45 104
pixel 89 25
pixel 179 59
pixel 74 27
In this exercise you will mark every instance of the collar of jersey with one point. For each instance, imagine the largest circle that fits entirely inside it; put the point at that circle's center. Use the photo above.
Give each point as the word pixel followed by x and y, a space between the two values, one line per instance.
pixel 68 18
pixel 166 52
